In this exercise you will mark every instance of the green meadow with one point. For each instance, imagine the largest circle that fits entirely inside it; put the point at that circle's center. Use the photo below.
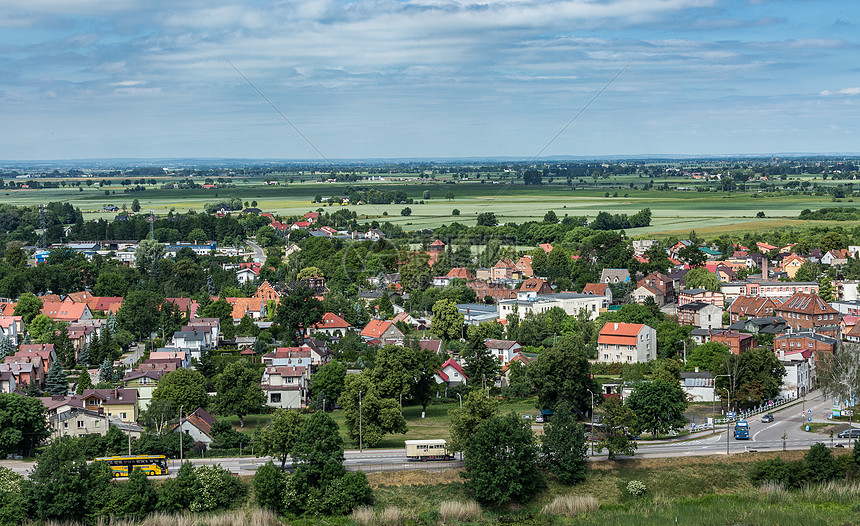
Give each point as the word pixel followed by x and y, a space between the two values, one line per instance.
pixel 673 211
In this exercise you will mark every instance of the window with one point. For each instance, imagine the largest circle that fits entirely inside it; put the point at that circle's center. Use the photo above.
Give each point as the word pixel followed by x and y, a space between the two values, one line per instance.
pixel 276 398
pixel 65 425
pixel 98 423
pixel 80 424
pixel 606 357
pixel 122 415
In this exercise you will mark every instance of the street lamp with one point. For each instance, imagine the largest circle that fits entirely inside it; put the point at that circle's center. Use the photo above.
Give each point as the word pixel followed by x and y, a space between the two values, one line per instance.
pixel 727 420
pixel 714 403
pixel 461 400
pixel 360 442
pixel 591 427
pixel 685 351
pixel 180 435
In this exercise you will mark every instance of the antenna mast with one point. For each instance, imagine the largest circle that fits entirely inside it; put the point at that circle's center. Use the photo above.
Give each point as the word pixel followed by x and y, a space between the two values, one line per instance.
pixel 42 225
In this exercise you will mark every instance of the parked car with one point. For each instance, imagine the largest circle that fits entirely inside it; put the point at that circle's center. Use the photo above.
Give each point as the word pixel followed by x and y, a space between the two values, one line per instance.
pixel 850 433
pixel 539 419
pixel 767 418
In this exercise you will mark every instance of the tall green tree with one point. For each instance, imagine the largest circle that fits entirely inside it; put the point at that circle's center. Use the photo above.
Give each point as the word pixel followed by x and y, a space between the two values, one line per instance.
pixel 84 382
pixel 378 416
pixel 328 382
pixel 701 278
pixel 562 374
pixel 62 480
pixel 480 365
pixel 183 387
pixel 56 383
pixel 425 364
pixel 447 321
pixel 502 461
pixel 298 310
pixel 139 313
pixel 238 391
pixel 149 252
pixel 563 447
pixel 618 423
pixel 659 406
pixel 476 408
pixel 23 424
pixel 281 434
pixel 28 307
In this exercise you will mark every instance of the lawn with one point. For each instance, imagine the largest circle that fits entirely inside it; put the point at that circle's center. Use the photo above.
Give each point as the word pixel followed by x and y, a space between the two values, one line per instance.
pixel 691 491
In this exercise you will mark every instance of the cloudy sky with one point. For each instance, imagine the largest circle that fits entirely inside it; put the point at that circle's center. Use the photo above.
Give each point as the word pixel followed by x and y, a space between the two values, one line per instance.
pixel 426 78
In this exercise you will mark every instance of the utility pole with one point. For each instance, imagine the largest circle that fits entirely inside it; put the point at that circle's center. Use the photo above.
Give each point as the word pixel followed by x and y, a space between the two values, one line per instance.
pixel 591 427
pixel 714 404
pixel 360 442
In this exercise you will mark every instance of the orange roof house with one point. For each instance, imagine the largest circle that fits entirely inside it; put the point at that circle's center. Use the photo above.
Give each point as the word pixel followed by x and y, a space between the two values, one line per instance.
pixel 67 311
pixel 381 330
pixel 460 273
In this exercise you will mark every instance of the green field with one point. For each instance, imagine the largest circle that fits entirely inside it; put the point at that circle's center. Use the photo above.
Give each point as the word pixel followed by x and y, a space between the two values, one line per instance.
pixel 673 212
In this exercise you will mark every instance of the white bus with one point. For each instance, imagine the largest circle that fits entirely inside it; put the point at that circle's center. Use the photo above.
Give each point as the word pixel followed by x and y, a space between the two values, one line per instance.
pixel 435 449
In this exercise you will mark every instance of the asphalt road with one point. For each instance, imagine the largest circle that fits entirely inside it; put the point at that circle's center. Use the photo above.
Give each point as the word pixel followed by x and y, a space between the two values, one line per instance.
pixel 788 421
pixel 259 253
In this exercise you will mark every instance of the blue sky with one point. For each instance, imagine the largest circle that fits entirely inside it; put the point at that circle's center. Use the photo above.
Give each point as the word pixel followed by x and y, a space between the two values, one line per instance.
pixel 427 78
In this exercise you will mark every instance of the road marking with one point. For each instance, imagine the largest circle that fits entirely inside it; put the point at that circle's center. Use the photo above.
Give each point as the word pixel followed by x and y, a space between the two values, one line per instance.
pixel 764 429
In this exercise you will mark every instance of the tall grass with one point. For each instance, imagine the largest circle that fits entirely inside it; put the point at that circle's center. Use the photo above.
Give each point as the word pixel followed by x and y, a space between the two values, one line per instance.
pixel 255 517
pixel 463 511
pixel 571 505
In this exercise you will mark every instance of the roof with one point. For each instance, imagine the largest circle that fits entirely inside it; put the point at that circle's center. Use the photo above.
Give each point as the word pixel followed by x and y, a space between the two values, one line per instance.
pixel 695 306
pixel 597 289
pixel 64 310
pixel 285 371
pixel 546 247
pixel 113 396
pixel 534 284
pixel 806 303
pixel 808 335
pixel 331 320
pixel 626 330
pixel 501 344
pixel 376 328
pixel 460 273
pixel 450 363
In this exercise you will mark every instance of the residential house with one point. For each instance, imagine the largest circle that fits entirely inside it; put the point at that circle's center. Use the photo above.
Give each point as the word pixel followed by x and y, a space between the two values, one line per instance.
pixel 819 344
pixel 332 325
pixel 105 304
pixel 496 291
pixel 701 295
pixel 145 383
pixel 809 312
pixel 8 381
pixel 77 422
pixel 615 276
pixel 661 282
pixel 524 266
pixel 267 292
pixel 698 386
pixel 571 302
pixel 643 292
pixel 289 357
pixel 285 387
pixel 18 375
pixel 455 273
pixel 737 342
pixel 723 271
pixel 320 352
pixel 641 246
pixel 768 325
pixel 835 257
pixel 199 425
pixel 119 403
pixel 451 374
pixel 67 311
pixel 254 308
pixel 192 342
pixel 798 378
pixel 248 272
pixel 381 330
pixel 626 343
pixel 599 289
pixel 9 328
pixel 503 349
pixel 779 289
pixel 504 269
pixel 791 264
pixel 700 314
pixel 546 247
pixel 533 287
pixel 751 307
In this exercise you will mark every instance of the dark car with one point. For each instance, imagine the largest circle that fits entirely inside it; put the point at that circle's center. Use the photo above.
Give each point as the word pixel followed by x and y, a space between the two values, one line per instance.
pixel 767 418
pixel 850 433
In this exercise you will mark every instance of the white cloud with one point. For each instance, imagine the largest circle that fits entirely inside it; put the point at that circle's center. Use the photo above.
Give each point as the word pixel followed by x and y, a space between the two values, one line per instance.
pixel 843 91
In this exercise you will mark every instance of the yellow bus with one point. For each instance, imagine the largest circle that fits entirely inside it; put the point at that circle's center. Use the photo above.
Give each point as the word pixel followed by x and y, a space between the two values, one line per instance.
pixel 123 465
pixel 434 449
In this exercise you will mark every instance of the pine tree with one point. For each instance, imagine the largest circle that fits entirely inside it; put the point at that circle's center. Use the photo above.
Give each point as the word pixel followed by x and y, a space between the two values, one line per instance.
pixel 84 382
pixel 84 356
pixel 57 384
pixel 6 347
pixel 112 324
pixel 106 371
pixel 96 354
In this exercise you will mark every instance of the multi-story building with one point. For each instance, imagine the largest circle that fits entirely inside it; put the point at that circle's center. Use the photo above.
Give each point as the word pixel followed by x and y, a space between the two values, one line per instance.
pixel 626 343
pixel 808 312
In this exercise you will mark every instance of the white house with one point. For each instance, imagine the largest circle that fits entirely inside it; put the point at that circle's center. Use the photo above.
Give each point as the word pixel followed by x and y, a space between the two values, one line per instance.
pixel 571 302
pixel 285 387
pixel 451 373
pixel 626 343
pixel 505 350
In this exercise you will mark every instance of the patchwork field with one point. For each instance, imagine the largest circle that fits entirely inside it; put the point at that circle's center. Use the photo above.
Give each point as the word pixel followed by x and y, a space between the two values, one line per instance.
pixel 673 212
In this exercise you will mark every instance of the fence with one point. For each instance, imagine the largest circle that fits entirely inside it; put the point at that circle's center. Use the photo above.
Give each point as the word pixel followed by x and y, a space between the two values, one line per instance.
pixel 404 466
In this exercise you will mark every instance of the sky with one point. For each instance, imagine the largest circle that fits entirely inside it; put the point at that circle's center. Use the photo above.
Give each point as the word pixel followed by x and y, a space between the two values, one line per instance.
pixel 427 78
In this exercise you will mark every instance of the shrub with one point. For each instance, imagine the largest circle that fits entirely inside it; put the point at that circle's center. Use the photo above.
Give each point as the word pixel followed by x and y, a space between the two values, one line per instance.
pixel 454 510
pixel 11 501
pixel 216 488
pixel 774 471
pixel 268 487
pixel 347 492
pixel 572 505
pixel 177 494
pixel 136 498
pixel 820 464
pixel 636 488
